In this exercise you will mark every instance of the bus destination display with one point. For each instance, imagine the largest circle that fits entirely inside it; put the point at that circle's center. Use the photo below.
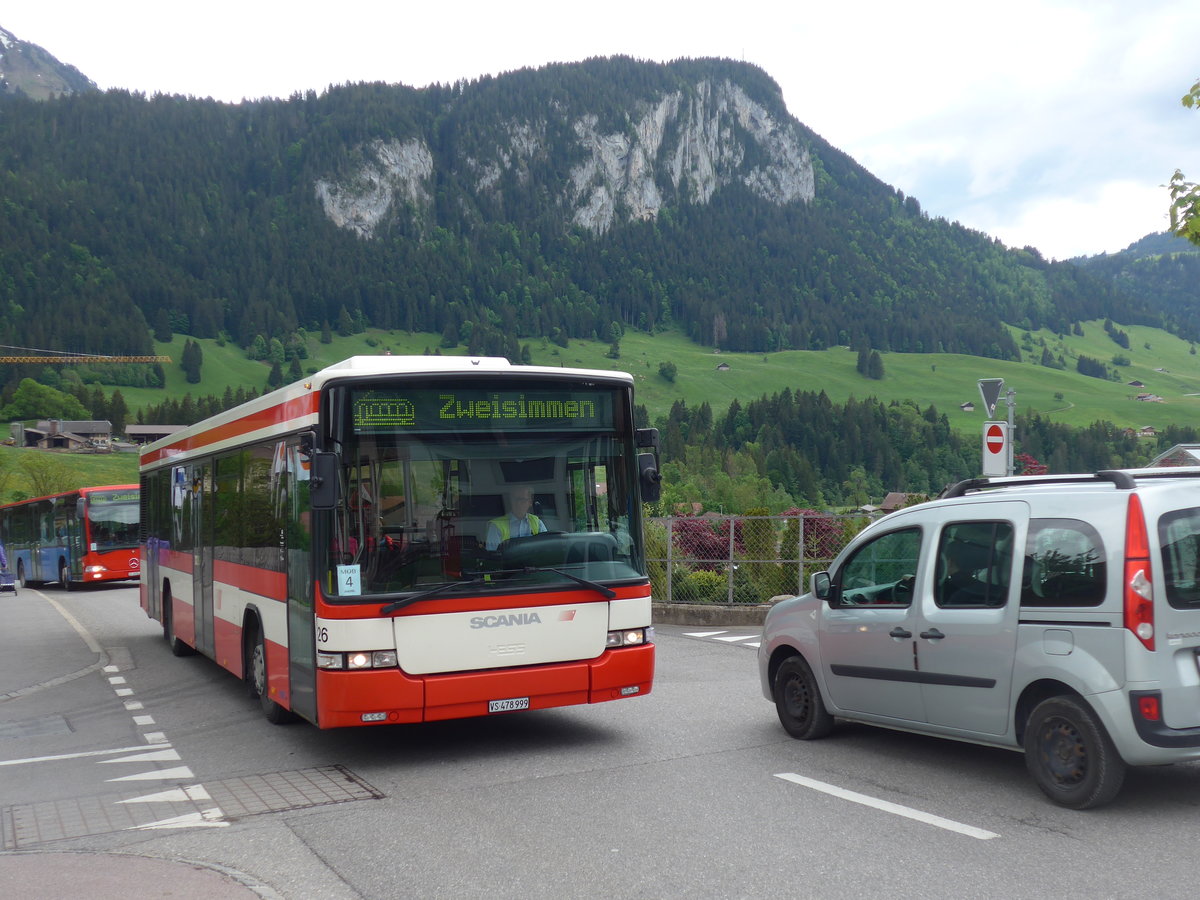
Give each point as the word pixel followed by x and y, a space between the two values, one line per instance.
pixel 473 409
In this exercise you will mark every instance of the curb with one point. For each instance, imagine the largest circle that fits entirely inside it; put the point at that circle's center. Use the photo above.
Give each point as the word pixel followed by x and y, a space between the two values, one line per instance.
pixel 712 613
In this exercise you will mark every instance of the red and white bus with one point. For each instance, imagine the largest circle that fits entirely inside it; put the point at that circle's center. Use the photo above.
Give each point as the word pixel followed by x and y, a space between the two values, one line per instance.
pixel 85 536
pixel 329 542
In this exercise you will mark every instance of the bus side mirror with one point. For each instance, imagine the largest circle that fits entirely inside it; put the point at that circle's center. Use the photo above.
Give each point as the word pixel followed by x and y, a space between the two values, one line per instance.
pixel 323 481
pixel 651 477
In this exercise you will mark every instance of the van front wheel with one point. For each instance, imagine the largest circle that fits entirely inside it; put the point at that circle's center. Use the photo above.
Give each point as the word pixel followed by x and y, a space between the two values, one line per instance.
pixel 798 701
pixel 1071 756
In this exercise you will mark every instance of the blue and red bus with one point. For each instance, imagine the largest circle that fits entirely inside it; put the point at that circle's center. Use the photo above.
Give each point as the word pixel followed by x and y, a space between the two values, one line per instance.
pixel 84 536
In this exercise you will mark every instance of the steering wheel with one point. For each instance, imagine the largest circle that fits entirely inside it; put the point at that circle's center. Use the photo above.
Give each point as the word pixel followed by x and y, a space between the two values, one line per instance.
pixel 902 589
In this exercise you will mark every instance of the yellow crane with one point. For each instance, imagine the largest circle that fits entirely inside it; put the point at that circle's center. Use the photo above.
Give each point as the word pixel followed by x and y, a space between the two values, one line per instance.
pixel 59 357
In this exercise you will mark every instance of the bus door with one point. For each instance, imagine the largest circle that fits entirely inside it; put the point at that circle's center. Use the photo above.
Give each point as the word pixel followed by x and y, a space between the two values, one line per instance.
pixel 48 549
pixel 202 563
pixel 296 517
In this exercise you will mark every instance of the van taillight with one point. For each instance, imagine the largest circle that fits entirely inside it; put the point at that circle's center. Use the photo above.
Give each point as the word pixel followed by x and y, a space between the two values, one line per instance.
pixel 1148 706
pixel 1139 591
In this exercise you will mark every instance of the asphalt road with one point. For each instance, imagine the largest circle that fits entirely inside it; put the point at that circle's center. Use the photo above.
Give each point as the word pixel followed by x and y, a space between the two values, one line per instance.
pixel 113 752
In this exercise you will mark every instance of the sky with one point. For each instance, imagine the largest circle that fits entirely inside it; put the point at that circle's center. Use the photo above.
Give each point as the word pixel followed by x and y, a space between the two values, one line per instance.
pixel 1047 123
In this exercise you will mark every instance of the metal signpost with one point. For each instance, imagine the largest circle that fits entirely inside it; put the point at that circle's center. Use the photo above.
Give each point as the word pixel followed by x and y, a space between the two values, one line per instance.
pixel 997 436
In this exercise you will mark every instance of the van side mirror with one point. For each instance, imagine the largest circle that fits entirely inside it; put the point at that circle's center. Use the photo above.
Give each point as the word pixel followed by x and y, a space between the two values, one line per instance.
pixel 821 585
pixel 323 481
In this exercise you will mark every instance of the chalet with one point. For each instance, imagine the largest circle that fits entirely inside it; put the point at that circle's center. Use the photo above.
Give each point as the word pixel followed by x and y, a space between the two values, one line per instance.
pixel 148 434
pixel 723 367
pixel 967 407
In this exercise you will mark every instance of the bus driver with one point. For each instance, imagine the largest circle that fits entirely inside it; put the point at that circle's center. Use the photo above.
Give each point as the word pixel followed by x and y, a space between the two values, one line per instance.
pixel 519 522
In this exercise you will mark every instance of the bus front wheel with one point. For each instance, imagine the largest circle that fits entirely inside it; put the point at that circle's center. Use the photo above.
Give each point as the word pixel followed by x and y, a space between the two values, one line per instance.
pixel 64 575
pixel 21 574
pixel 256 680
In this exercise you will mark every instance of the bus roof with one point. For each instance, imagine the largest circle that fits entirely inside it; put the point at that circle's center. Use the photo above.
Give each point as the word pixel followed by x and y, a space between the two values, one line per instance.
pixel 295 406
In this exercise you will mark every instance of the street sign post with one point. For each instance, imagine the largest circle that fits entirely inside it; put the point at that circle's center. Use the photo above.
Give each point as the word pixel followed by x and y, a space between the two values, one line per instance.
pixel 989 391
pixel 995 449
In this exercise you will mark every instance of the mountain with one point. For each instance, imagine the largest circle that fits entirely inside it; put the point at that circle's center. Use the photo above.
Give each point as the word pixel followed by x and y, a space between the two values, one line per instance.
pixel 574 200
pixel 27 70
pixel 1160 269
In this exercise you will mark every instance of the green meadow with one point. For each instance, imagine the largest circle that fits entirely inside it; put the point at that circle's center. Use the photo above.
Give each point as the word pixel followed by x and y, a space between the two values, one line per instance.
pixel 1165 365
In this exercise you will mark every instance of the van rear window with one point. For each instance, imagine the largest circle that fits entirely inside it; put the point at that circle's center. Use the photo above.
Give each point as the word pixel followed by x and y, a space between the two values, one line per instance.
pixel 1179 537
pixel 1064 564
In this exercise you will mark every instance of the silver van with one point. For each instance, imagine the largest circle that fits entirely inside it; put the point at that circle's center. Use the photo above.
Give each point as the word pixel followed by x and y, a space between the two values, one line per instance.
pixel 1058 615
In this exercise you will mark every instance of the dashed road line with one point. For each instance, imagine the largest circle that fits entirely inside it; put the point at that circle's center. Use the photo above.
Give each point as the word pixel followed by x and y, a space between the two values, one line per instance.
pixel 753 639
pixel 887 806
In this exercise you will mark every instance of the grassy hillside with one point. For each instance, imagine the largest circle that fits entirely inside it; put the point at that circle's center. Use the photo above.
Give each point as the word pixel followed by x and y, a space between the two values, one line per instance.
pixel 28 473
pixel 1164 364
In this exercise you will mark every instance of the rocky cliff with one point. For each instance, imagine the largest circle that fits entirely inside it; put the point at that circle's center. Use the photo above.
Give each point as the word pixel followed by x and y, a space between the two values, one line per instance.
pixel 28 70
pixel 684 146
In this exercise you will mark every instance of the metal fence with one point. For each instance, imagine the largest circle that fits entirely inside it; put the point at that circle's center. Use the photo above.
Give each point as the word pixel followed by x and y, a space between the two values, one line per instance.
pixel 742 560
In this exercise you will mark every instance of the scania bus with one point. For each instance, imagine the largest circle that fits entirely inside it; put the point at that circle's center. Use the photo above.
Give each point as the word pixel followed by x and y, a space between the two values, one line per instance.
pixel 85 536
pixel 329 542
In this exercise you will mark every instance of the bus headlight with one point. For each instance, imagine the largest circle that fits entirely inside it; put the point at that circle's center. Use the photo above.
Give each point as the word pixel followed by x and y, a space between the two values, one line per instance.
pixel 358 659
pixel 630 637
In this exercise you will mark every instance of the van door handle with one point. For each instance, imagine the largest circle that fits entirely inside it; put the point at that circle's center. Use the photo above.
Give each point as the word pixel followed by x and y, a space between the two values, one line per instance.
pixel 899 632
pixel 932 635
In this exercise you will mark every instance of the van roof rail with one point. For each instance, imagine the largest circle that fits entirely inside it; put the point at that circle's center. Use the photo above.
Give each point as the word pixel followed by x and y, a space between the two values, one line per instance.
pixel 1122 480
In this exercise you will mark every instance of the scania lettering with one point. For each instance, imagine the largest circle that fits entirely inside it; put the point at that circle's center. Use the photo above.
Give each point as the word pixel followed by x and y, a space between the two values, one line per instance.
pixel 503 621
pixel 329 542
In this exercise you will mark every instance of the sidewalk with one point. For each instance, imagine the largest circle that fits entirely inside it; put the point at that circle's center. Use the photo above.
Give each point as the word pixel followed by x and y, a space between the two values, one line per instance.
pixel 47 647
pixel 120 876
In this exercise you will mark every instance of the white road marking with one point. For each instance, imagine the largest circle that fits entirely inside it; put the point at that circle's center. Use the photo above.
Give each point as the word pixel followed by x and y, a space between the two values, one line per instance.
pixel 152 756
pixel 886 806
pixel 701 633
pixel 210 818
pixel 178 795
pixel 736 637
pixel 86 753
pixel 177 772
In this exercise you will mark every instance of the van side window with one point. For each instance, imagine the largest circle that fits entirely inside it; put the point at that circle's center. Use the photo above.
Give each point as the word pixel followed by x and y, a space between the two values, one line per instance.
pixel 1064 564
pixel 881 573
pixel 1179 535
pixel 974 564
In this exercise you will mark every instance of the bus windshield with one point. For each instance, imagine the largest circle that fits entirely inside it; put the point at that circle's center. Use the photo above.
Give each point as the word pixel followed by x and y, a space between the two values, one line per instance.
pixel 112 520
pixel 512 489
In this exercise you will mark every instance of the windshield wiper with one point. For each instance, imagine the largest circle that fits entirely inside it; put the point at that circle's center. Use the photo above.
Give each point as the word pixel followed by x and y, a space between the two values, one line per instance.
pixel 432 592
pixel 608 593
pixel 483 578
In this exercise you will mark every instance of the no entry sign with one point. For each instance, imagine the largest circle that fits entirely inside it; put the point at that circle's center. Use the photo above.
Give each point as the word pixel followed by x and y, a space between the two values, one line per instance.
pixel 995 448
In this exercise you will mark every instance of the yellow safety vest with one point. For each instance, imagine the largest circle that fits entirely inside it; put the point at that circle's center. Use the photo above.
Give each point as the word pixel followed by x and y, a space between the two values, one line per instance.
pixel 535 525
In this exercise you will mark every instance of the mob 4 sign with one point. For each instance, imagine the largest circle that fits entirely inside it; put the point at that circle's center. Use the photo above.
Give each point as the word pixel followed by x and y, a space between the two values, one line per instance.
pixel 995 448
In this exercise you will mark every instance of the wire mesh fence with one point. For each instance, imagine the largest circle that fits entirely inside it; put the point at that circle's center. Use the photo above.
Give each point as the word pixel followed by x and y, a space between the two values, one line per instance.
pixel 742 560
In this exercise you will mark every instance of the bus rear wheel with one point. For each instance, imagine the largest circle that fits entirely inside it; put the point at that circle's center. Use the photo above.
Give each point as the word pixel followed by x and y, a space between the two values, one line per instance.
pixel 21 574
pixel 178 647
pixel 256 680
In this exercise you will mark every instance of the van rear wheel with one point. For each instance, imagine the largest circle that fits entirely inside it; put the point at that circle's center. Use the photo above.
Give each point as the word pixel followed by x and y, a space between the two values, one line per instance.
pixel 1071 756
